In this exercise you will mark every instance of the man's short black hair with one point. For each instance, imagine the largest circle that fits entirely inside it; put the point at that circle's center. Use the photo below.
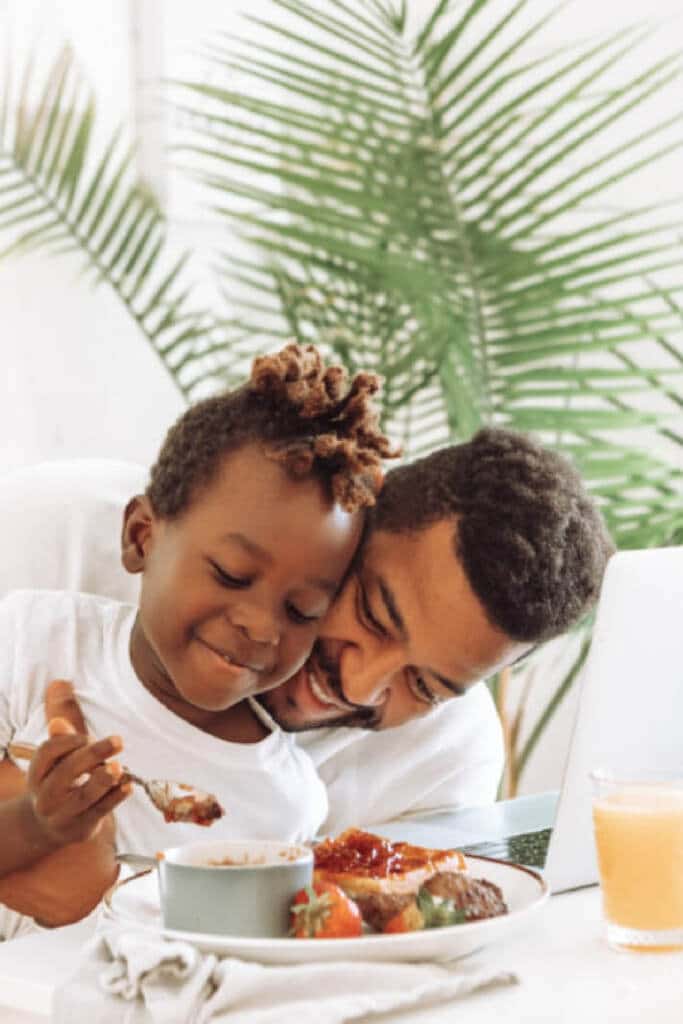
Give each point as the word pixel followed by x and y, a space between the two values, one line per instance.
pixel 532 541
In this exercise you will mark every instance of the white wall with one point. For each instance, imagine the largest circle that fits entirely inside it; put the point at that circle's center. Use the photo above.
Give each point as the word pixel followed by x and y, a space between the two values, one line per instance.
pixel 79 378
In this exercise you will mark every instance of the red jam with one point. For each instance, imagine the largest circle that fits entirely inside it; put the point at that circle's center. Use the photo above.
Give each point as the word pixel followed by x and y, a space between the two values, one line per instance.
pixel 361 853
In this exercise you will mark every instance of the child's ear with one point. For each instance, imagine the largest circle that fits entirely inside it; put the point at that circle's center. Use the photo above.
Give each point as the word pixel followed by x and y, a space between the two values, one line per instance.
pixel 136 536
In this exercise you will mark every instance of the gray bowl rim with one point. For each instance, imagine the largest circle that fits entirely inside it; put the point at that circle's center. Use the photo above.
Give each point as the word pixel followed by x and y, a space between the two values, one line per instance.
pixel 305 856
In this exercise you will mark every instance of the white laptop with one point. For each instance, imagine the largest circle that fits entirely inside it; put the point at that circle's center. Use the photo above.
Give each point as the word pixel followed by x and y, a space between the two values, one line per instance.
pixel 629 713
pixel 630 710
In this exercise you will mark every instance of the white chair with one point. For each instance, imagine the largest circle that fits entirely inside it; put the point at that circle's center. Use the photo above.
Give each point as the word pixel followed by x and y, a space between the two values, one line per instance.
pixel 60 526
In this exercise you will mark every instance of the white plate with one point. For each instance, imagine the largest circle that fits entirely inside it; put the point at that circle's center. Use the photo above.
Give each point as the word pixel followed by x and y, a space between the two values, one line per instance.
pixel 136 901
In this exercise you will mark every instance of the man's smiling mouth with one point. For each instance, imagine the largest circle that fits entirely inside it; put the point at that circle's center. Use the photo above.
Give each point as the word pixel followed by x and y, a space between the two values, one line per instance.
pixel 321 676
pixel 317 683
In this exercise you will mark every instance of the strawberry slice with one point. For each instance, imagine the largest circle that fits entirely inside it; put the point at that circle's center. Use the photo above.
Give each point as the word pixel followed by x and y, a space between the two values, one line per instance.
pixel 324 911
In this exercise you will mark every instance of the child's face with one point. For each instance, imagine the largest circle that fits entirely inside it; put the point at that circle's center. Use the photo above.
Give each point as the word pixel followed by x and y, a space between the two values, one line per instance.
pixel 233 590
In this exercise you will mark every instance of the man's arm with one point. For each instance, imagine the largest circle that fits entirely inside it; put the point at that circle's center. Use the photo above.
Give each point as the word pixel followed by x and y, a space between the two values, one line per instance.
pixel 66 884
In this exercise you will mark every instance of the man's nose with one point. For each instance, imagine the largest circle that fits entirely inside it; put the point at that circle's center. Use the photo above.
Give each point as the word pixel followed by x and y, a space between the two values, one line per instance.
pixel 367 676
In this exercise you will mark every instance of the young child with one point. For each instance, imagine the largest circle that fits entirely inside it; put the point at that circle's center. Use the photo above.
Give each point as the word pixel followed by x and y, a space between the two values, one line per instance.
pixel 251 518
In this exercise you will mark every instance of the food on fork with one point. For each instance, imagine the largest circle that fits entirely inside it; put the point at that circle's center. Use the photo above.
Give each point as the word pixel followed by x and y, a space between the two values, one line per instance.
pixel 180 802
pixel 361 862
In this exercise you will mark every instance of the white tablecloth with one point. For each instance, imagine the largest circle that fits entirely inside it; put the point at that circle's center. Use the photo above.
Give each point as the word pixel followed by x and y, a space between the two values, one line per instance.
pixel 567 974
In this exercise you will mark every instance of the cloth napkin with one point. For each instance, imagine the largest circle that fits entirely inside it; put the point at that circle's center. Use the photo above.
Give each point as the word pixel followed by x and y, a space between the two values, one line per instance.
pixel 128 976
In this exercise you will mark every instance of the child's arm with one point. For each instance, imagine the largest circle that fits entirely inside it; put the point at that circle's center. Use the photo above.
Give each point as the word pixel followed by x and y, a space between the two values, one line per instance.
pixel 68 882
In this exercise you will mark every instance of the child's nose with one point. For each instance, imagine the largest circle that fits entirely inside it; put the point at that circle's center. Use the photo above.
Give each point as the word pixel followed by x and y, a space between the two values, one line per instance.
pixel 257 624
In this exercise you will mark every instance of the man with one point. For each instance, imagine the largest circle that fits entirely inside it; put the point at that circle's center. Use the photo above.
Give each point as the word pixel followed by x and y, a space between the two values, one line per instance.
pixel 474 555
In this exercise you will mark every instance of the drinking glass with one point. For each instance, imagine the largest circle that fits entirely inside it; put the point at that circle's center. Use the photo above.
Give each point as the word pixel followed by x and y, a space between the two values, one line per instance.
pixel 638 824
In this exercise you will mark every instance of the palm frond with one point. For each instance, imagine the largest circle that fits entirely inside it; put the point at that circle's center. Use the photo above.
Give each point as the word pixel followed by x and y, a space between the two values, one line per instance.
pixel 58 196
pixel 419 205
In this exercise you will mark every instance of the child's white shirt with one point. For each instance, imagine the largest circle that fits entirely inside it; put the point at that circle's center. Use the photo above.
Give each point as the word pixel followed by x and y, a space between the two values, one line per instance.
pixel 269 789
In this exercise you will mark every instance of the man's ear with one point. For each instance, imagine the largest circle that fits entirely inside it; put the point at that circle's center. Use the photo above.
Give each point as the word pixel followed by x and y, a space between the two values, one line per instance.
pixel 136 536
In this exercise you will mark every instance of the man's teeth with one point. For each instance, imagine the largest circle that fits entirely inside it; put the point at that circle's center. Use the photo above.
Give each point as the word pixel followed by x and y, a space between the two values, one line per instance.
pixel 323 695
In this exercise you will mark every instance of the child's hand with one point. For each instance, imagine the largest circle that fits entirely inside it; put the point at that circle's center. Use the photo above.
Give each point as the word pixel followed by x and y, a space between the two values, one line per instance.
pixel 67 881
pixel 71 784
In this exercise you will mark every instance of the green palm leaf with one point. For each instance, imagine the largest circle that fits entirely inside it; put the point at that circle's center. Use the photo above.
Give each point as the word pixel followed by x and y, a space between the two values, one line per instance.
pixel 406 199
pixel 56 195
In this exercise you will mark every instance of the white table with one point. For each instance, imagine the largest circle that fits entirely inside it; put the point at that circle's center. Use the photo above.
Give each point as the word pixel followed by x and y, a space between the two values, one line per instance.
pixel 567 972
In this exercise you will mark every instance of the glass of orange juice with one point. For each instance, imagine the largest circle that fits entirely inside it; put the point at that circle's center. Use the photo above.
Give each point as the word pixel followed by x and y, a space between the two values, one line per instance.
pixel 638 824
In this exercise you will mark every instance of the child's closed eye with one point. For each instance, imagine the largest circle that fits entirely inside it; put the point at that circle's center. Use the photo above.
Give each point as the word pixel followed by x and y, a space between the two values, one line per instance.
pixel 226 579
pixel 232 582
pixel 300 618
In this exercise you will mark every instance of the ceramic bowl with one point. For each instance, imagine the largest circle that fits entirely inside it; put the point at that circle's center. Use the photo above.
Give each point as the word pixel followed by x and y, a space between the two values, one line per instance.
pixel 232 887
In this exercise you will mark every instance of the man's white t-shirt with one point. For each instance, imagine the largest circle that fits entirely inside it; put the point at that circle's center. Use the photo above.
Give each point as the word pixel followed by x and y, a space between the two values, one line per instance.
pixel 452 757
pixel 269 789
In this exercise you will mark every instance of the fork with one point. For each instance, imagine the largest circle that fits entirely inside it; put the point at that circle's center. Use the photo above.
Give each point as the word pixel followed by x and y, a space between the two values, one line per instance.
pixel 177 801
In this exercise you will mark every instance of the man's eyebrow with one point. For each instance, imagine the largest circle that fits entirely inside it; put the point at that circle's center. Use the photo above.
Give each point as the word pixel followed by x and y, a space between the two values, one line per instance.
pixel 391 607
pixel 256 551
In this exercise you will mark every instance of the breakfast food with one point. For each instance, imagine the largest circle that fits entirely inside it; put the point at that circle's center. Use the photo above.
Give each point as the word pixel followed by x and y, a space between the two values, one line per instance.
pixel 182 803
pixel 447 898
pixel 477 898
pixel 324 911
pixel 286 855
pixel 363 879
pixel 422 911
pixel 363 863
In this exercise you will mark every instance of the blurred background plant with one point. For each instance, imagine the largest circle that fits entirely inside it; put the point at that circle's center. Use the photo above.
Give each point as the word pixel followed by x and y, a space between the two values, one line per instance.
pixel 424 196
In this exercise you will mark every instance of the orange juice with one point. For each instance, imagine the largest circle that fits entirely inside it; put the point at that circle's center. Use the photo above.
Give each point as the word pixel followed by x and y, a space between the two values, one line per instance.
pixel 639 840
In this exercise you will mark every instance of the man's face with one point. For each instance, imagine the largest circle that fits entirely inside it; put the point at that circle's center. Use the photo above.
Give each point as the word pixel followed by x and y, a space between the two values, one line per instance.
pixel 407 632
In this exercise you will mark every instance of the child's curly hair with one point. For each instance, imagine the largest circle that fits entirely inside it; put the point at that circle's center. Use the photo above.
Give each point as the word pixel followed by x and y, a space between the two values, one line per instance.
pixel 531 540
pixel 307 418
